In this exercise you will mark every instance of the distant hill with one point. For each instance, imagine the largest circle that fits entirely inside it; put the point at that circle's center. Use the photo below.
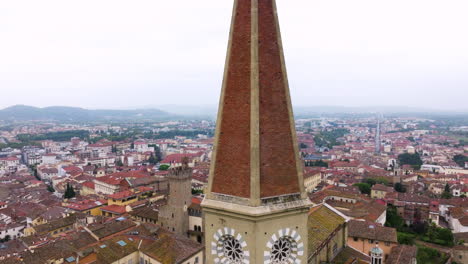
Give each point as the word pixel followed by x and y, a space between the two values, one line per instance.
pixel 316 111
pixel 206 111
pixel 75 114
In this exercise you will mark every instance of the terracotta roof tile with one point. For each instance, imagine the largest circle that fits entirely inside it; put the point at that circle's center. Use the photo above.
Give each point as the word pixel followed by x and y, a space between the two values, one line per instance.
pixel 321 224
pixel 170 248
pixel 370 230
pixel 402 254
pixel 115 209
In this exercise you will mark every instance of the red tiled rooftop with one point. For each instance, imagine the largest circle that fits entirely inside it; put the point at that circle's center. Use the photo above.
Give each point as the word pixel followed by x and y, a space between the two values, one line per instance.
pixel 121 195
pixel 10 159
pixel 177 158
pixel 130 174
pixel 110 180
pixel 100 145
pixel 35 182
pixel 85 205
pixel 144 189
pixel 72 169
pixel 196 200
pixel 117 177
pixel 89 184
pixel 116 209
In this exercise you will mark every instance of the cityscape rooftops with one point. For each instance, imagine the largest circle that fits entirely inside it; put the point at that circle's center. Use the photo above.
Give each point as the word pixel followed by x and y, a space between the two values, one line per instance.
pixel 372 231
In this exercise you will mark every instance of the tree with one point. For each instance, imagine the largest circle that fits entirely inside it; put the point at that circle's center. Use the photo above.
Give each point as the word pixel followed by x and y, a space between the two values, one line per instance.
pixel 428 255
pixel 438 235
pixel 370 181
pixel 375 180
pixel 365 188
pixel 157 152
pixel 393 219
pixel 196 192
pixel 34 172
pixel 400 188
pixel 446 194
pixel 445 235
pixel 5 239
pixel 119 163
pixel 330 138
pixel 55 136
pixel 410 159
pixel 69 192
pixel 164 167
pixel 303 146
pixel 460 159
pixel 317 163
pixel 50 188
pixel 152 160
pixel 404 238
pixel 420 227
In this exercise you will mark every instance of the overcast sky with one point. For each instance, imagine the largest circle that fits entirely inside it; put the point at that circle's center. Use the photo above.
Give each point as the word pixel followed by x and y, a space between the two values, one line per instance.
pixel 120 54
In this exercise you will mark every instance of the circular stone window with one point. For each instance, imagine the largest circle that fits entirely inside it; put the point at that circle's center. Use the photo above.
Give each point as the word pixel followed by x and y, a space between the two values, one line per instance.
pixel 284 247
pixel 232 249
pixel 229 247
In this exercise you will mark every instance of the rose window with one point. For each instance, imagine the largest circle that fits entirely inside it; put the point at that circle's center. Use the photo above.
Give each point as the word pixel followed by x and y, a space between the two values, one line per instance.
pixel 232 249
pixel 229 247
pixel 282 249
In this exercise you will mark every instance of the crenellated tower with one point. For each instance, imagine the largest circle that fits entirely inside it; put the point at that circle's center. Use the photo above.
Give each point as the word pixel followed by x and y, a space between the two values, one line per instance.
pixel 174 216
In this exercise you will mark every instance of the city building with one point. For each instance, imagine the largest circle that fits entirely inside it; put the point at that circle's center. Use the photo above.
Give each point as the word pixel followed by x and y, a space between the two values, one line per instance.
pixel 379 191
pixel 363 236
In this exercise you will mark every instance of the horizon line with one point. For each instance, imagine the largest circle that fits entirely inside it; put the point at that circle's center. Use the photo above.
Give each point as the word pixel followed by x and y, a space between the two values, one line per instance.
pixel 377 108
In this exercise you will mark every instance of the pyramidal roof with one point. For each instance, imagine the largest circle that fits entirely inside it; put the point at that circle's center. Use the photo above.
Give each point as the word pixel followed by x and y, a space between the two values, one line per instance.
pixel 256 150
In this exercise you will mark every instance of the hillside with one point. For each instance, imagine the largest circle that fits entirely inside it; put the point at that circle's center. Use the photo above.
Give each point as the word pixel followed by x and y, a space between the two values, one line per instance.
pixel 74 114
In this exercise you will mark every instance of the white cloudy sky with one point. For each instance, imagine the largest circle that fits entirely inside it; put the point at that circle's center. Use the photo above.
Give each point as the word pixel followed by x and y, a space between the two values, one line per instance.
pixel 121 53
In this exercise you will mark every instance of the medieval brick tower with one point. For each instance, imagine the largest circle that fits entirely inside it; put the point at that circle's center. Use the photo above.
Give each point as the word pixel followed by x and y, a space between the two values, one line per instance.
pixel 255 210
pixel 174 216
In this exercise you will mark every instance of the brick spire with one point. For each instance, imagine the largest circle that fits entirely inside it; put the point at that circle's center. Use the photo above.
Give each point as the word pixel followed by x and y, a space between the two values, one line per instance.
pixel 256 153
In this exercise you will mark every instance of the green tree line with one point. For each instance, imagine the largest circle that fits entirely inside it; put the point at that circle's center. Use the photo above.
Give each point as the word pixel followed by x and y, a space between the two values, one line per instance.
pixel 55 136
pixel 330 138
pixel 410 159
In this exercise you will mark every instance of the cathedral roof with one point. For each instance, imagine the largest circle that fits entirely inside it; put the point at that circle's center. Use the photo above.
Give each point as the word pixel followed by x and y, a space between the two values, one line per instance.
pixel 321 226
pixel 170 248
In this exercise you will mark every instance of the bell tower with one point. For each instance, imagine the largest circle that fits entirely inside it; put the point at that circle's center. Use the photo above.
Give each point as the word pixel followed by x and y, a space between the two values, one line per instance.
pixel 255 210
